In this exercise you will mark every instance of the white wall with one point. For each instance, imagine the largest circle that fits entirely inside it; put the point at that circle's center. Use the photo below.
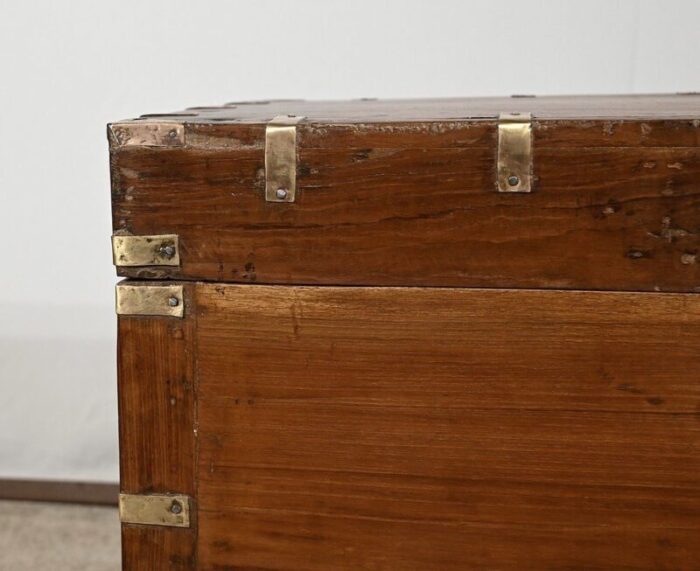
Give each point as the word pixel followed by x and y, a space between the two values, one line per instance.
pixel 66 68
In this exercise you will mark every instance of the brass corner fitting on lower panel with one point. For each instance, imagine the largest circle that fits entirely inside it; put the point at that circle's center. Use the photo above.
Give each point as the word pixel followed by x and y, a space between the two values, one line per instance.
pixel 515 152
pixel 155 509
pixel 147 299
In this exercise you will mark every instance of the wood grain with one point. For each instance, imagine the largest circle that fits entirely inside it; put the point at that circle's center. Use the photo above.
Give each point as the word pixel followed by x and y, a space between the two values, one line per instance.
pixel 410 428
pixel 424 211
pixel 156 430
pixel 157 549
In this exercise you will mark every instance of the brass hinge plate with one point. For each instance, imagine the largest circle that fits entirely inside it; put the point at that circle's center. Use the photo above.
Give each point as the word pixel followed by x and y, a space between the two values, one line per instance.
pixel 156 250
pixel 515 152
pixel 165 300
pixel 281 159
pixel 172 511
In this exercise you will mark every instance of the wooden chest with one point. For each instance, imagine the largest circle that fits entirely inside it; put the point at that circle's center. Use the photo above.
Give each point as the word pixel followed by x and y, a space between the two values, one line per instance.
pixel 410 335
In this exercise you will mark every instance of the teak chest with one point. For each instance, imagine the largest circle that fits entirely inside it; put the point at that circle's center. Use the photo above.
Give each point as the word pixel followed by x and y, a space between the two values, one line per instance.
pixel 447 335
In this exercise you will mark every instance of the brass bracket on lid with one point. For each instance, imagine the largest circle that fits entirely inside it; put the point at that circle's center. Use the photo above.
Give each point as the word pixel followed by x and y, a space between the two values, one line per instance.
pixel 281 158
pixel 514 152
pixel 148 133
pixel 155 250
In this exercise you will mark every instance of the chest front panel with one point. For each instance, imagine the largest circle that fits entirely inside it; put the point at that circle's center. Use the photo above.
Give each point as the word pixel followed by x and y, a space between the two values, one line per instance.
pixel 404 428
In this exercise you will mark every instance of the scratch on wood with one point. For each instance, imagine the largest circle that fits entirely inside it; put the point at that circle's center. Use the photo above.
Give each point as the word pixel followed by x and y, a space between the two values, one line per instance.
pixel 669 232
pixel 609 127
pixel 638 254
pixel 397 128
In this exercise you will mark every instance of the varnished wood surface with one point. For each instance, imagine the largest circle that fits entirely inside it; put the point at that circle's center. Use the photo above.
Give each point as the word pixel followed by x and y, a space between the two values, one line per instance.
pixel 149 548
pixel 156 431
pixel 389 110
pixel 614 207
pixel 408 428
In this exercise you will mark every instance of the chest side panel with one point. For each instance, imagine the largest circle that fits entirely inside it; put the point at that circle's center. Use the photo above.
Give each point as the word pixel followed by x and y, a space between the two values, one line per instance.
pixel 409 428
pixel 156 432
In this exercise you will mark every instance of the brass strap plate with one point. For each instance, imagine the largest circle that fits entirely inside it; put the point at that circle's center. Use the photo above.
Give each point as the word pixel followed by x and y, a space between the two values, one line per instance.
pixel 157 250
pixel 515 152
pixel 173 511
pixel 281 159
pixel 166 300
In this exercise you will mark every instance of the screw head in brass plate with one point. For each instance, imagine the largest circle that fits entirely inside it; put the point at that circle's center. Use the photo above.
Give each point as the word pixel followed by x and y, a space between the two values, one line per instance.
pixel 167 250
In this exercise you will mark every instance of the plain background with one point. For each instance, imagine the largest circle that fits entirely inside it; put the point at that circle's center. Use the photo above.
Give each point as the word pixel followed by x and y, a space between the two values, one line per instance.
pixel 67 68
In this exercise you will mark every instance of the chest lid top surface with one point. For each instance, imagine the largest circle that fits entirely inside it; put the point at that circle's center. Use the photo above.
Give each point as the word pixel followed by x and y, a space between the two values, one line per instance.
pixel 678 106
pixel 593 192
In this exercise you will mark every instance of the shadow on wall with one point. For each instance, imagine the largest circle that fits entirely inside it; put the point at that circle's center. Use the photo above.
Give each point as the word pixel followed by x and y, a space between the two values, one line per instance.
pixel 58 393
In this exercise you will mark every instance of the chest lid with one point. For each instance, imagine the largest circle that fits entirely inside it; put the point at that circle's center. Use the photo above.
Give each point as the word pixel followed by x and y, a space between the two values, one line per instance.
pixel 597 192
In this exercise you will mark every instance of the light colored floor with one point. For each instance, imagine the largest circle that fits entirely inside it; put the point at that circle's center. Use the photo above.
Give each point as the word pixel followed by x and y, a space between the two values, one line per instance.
pixel 58 537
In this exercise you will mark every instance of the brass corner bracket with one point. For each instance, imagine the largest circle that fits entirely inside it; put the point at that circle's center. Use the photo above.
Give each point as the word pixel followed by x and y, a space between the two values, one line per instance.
pixel 146 133
pixel 514 152
pixel 281 158
pixel 155 509
pixel 147 299
pixel 156 250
